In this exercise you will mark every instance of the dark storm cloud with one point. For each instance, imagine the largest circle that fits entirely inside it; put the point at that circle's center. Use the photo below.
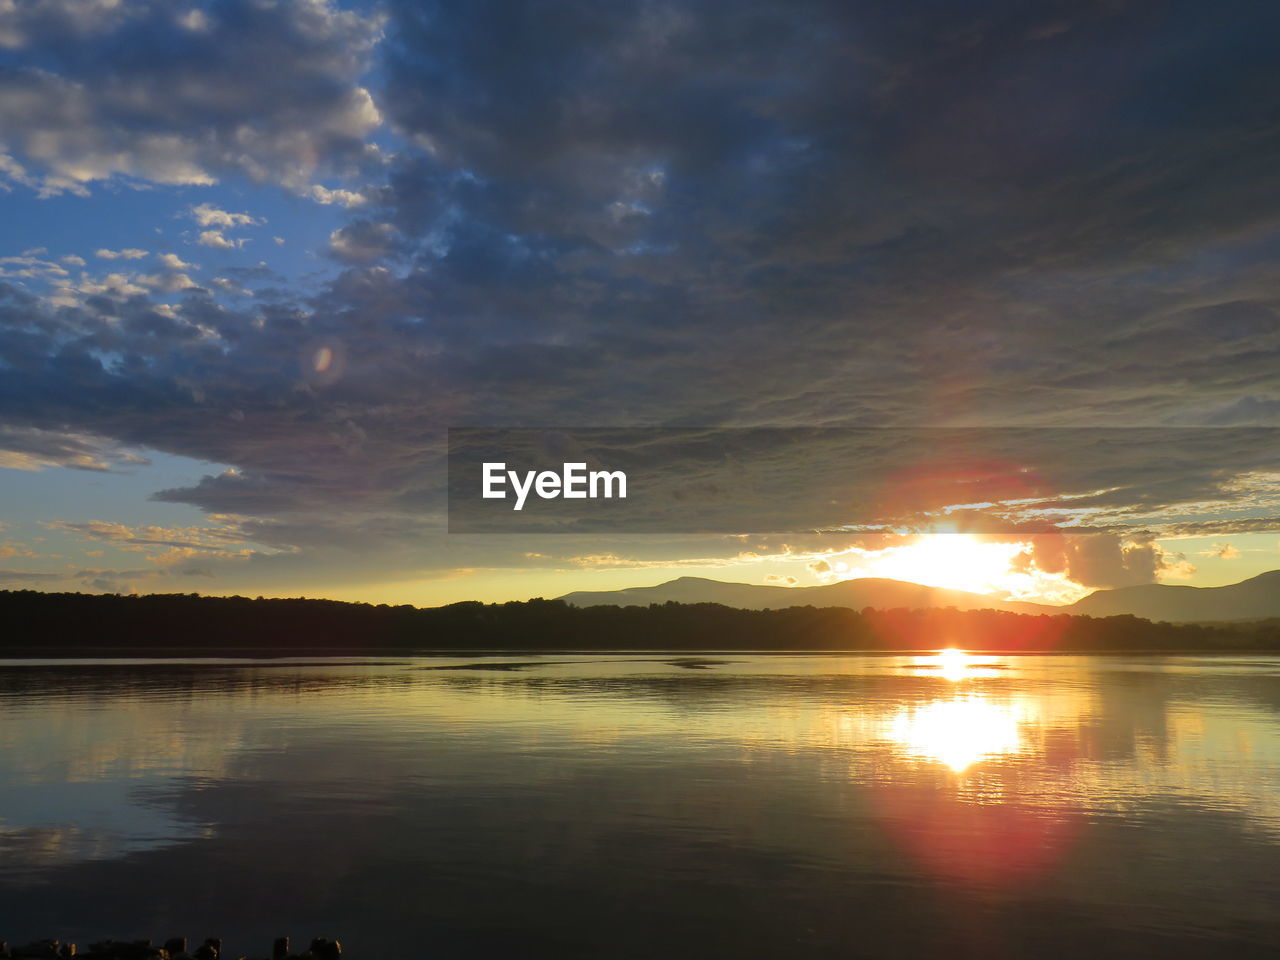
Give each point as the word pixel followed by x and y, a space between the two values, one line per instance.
pixel 728 480
pixel 362 242
pixel 182 94
pixel 680 213
pixel 843 214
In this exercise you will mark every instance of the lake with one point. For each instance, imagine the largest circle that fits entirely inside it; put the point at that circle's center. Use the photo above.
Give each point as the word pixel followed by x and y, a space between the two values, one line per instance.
pixel 649 805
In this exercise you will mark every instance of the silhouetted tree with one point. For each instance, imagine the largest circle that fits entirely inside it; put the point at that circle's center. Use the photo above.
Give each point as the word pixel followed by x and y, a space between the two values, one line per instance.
pixel 71 623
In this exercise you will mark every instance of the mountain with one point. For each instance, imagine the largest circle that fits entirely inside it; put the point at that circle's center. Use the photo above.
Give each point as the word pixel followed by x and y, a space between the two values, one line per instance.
pixel 859 593
pixel 1254 599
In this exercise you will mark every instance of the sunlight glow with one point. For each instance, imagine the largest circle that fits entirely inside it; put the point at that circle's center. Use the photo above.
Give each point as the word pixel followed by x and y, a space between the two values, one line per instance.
pixel 961 561
pixel 952 663
pixel 956 665
pixel 958 733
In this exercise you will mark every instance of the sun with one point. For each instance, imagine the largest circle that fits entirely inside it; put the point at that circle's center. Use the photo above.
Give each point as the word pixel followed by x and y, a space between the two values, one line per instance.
pixel 961 561
pixel 956 560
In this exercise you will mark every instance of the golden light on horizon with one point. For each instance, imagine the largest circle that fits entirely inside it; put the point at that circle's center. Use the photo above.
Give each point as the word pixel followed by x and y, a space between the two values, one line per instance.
pixel 962 561
pixel 956 665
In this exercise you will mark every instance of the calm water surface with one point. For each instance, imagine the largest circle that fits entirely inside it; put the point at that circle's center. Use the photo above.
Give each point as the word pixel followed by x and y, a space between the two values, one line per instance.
pixel 649 806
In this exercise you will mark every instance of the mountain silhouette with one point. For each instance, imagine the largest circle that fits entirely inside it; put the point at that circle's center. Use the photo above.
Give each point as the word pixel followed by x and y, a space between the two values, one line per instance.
pixel 1254 599
pixel 858 593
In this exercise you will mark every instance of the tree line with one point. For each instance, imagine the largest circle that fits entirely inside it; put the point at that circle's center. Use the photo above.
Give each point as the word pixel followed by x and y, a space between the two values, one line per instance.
pixel 38 623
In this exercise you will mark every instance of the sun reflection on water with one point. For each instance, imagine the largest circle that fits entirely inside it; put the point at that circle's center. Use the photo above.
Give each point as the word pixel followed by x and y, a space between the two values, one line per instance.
pixel 959 732
pixel 952 663
pixel 955 665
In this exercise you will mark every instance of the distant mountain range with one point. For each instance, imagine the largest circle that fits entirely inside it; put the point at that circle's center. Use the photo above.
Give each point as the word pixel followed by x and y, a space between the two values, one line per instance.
pixel 1257 598
pixel 859 593
pixel 1254 599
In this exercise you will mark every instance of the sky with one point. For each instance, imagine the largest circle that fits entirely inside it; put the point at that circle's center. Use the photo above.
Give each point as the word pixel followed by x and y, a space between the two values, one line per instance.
pixel 257 257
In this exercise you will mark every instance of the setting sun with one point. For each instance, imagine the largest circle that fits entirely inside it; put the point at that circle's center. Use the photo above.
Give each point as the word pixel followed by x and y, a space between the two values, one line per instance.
pixel 961 561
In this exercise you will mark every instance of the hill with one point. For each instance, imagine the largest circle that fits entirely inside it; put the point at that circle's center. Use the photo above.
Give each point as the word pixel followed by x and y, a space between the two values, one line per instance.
pixel 1257 598
pixel 856 594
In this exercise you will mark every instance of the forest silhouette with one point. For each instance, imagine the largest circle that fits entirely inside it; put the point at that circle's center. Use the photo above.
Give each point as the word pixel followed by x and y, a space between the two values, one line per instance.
pixel 68 624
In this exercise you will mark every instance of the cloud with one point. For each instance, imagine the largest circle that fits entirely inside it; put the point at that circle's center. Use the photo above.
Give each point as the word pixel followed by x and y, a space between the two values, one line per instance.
pixel 24 24
pixel 26 448
pixel 26 576
pixel 228 286
pixel 677 214
pixel 1248 409
pixel 171 551
pixel 345 198
pixel 1107 560
pixel 362 242
pixel 218 221
pixel 194 539
pixel 131 253
pixel 169 282
pixel 111 581
pixel 30 266
pixel 1222 551
pixel 100 91
pixel 1229 527
pixel 215 238
pixel 207 215
pixel 171 261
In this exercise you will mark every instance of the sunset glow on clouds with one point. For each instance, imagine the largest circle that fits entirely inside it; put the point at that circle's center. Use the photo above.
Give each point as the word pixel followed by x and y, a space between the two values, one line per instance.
pixel 256 258
pixel 958 562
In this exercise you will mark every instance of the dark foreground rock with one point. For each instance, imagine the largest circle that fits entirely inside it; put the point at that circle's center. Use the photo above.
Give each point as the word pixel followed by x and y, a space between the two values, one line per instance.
pixel 174 948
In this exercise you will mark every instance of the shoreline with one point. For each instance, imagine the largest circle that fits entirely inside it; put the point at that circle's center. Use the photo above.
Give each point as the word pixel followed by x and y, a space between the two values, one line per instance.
pixel 232 656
